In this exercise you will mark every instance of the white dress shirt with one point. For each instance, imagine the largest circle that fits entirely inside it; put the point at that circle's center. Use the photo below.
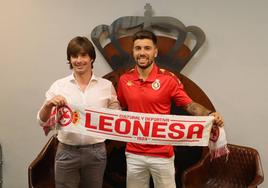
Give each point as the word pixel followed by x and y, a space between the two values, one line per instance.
pixel 99 93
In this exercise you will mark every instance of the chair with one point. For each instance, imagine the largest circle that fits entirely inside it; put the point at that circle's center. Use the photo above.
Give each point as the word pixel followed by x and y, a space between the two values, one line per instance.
pixel 242 169
pixel 41 170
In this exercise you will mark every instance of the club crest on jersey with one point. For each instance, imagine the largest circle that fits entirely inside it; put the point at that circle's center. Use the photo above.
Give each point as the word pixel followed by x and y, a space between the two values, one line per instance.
pixel 156 84
pixel 129 83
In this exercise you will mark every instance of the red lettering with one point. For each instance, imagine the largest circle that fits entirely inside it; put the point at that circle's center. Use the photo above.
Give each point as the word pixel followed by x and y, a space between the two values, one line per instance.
pixel 157 128
pixel 104 123
pixel 195 129
pixel 88 122
pixel 138 127
pixel 176 133
pixel 119 124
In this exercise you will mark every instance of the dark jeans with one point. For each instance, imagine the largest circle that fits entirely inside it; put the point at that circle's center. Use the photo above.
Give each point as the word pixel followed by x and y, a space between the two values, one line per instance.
pixel 80 166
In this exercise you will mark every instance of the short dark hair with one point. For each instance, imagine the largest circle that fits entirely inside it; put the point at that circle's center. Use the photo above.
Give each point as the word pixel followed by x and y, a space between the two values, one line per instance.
pixel 80 45
pixel 145 34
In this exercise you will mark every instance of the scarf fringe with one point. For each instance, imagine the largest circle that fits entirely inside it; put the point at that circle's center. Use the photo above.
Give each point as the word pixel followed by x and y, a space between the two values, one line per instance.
pixel 50 124
pixel 219 152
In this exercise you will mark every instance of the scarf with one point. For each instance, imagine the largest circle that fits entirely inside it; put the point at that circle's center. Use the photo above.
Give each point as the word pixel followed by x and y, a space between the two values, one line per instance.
pixel 140 128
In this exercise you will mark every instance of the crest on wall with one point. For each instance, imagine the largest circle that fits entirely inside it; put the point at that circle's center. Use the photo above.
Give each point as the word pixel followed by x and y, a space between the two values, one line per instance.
pixel 177 43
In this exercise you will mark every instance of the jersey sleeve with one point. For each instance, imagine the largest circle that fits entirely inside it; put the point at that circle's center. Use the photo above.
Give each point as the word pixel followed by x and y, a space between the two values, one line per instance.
pixel 178 94
pixel 120 93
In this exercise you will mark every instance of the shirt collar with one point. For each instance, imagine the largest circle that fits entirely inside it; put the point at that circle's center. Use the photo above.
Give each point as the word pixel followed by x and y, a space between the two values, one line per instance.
pixel 71 78
pixel 152 75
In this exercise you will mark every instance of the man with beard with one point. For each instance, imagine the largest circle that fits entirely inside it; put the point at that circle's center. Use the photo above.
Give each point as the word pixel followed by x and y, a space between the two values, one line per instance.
pixel 149 89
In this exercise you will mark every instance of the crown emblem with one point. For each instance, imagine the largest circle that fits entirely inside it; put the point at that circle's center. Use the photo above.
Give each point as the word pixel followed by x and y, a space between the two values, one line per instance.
pixel 176 43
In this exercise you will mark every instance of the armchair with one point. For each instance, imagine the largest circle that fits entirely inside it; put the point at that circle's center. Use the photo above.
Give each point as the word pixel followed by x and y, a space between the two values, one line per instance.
pixel 41 169
pixel 242 169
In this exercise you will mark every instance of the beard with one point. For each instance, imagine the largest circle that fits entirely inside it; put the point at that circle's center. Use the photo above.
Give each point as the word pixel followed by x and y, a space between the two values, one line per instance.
pixel 145 66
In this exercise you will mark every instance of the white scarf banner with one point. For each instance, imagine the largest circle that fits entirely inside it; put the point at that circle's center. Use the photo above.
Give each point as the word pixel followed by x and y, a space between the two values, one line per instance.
pixel 133 127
